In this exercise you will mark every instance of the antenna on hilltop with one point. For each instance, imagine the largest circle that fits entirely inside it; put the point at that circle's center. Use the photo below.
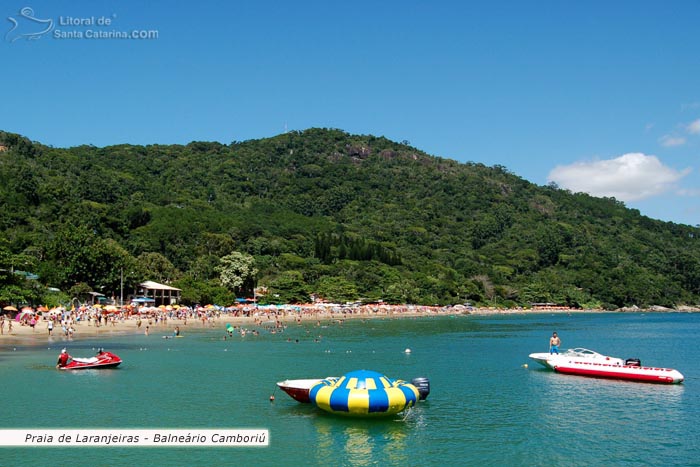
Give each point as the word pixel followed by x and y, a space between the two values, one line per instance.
pixel 285 127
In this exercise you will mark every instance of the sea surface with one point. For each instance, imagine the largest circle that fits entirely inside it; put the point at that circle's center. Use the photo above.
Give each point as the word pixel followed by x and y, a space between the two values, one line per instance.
pixel 489 404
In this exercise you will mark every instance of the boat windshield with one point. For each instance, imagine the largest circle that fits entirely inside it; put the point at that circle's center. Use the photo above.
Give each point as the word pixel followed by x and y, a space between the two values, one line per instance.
pixel 581 352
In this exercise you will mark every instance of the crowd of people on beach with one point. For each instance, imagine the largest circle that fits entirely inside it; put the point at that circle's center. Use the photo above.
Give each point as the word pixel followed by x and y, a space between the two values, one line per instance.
pixel 95 319
pixel 73 320
pixel 268 317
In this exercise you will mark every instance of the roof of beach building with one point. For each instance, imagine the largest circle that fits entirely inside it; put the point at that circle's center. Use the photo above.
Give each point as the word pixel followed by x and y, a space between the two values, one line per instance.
pixel 156 286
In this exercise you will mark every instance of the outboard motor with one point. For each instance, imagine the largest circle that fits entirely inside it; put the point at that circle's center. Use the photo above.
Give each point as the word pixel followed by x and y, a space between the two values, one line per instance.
pixel 633 362
pixel 423 386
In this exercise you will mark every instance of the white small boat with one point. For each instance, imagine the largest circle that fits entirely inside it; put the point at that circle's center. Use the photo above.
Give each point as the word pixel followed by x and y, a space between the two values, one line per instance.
pixel 298 389
pixel 578 354
pixel 584 362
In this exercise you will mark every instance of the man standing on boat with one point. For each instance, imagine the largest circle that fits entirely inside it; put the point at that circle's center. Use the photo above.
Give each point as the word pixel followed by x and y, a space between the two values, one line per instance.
pixel 554 343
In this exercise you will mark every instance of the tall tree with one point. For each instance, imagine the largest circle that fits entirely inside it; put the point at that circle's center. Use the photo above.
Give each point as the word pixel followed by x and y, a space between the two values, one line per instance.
pixel 237 272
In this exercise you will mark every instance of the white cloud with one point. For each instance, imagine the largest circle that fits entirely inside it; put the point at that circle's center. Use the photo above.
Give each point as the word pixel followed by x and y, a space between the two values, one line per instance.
pixel 694 127
pixel 630 177
pixel 690 192
pixel 670 141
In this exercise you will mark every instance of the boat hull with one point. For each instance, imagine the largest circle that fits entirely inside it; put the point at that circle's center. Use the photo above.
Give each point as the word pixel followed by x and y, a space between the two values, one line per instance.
pixel 298 389
pixel 628 373
pixel 541 358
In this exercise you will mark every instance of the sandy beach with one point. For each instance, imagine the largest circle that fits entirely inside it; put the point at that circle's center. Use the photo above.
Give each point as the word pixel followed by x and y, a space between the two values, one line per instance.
pixel 82 330
pixel 161 324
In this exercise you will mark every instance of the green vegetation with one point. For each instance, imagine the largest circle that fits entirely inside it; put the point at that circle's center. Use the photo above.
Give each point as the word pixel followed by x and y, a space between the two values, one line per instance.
pixel 325 213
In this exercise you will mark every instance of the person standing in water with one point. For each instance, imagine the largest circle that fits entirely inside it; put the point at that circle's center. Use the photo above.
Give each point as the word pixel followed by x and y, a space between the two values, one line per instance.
pixel 554 343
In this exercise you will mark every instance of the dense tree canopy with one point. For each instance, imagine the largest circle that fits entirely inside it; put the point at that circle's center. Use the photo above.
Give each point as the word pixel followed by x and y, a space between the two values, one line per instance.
pixel 327 214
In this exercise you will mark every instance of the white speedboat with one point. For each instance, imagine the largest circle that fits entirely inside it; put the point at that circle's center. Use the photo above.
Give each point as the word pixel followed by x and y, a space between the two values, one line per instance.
pixel 579 355
pixel 584 362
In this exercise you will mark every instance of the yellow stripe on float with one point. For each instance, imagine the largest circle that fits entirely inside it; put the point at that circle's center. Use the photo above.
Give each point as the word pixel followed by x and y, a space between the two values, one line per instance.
pixel 371 383
pixel 339 383
pixel 323 396
pixel 358 401
pixel 397 400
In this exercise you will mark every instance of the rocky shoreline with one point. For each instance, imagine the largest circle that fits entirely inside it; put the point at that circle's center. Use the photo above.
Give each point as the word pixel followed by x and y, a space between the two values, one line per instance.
pixel 660 309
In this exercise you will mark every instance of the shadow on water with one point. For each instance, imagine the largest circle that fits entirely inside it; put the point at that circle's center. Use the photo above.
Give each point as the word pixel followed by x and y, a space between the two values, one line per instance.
pixel 361 441
pixel 39 366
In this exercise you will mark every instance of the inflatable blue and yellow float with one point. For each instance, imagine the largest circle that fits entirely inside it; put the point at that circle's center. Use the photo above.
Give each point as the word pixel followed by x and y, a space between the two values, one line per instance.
pixel 364 393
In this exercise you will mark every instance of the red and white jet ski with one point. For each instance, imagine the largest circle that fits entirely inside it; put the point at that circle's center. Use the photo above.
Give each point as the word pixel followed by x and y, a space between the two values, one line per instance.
pixel 101 360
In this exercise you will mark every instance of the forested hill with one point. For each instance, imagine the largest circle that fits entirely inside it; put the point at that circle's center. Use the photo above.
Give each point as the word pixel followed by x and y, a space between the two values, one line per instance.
pixel 324 212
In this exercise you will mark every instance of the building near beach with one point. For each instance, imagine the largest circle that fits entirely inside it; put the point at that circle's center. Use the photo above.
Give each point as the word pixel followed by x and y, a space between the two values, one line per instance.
pixel 161 294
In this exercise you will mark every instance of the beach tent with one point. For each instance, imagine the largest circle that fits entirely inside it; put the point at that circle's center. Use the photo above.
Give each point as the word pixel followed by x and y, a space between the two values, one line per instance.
pixel 24 313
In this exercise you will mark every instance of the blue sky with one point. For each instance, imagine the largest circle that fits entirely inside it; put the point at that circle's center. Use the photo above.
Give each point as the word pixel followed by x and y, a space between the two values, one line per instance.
pixel 597 96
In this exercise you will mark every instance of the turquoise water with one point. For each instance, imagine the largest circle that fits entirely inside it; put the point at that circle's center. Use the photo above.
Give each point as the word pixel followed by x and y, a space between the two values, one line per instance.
pixel 485 407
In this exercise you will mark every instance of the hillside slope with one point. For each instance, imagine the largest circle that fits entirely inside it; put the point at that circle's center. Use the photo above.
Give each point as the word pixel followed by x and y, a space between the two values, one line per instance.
pixel 324 212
